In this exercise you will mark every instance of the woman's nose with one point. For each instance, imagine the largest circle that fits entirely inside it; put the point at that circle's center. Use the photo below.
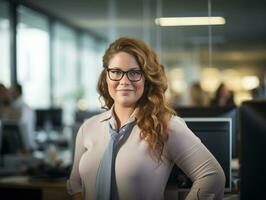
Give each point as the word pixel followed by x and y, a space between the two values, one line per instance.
pixel 125 80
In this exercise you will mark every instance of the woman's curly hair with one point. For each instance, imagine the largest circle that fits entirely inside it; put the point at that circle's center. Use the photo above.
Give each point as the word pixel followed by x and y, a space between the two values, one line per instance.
pixel 154 113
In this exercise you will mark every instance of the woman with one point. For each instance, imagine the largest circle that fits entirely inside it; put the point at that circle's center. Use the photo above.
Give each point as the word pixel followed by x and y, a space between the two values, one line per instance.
pixel 223 97
pixel 128 151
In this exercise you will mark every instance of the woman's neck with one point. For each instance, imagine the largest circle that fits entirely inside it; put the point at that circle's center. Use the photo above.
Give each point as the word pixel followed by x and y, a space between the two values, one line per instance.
pixel 122 115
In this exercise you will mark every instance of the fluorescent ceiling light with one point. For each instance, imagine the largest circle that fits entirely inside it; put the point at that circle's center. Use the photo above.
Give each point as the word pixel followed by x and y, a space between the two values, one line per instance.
pixel 189 21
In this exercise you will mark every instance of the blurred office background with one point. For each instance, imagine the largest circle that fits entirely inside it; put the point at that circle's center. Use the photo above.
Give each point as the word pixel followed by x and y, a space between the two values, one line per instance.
pixel 54 49
pixel 57 47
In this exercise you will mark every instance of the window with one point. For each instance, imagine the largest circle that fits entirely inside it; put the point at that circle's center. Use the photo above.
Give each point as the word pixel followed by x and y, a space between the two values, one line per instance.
pixel 91 66
pixel 4 45
pixel 65 70
pixel 33 57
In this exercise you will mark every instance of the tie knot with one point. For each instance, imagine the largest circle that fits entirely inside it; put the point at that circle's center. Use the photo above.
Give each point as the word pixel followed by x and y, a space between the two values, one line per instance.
pixel 114 135
pixel 117 134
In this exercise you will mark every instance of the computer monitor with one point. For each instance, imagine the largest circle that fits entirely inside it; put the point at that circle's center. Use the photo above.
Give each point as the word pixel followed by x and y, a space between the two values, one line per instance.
pixel 252 115
pixel 215 111
pixel 49 117
pixel 215 134
pixel 11 137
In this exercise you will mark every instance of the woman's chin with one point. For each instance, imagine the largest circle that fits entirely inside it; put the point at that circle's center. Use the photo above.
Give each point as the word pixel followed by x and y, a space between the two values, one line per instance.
pixel 126 104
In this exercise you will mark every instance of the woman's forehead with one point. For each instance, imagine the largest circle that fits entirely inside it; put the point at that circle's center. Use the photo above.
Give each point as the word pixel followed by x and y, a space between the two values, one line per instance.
pixel 123 60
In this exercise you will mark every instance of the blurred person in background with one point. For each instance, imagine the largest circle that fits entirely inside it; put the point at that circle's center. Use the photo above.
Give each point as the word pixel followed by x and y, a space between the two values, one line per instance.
pixel 6 110
pixel 3 95
pixel 27 116
pixel 258 92
pixel 223 97
pixel 197 96
pixel 128 151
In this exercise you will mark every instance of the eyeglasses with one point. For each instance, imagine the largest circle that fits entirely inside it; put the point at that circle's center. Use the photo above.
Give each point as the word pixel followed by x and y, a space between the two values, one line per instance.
pixel 117 74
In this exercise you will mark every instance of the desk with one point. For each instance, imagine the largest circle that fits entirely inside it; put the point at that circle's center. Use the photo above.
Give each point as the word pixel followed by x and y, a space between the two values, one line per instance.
pixel 21 187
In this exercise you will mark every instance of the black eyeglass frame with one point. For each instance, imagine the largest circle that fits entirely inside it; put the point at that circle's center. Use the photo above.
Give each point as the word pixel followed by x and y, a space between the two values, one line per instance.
pixel 123 73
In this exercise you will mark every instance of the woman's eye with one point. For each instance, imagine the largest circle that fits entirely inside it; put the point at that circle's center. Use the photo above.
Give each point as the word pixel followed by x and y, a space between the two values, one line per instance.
pixel 116 72
pixel 134 73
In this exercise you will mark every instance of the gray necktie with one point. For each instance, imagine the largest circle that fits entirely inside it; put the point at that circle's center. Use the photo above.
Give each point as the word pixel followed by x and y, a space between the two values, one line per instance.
pixel 105 178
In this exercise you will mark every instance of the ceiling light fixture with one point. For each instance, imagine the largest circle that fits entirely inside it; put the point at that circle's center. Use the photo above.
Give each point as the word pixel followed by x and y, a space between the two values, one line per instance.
pixel 189 21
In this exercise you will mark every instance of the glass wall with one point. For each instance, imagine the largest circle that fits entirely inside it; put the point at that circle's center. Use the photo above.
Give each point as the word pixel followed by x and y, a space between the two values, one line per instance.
pixel 33 68
pixel 76 67
pixel 91 66
pixel 65 69
pixel 200 58
pixel 4 45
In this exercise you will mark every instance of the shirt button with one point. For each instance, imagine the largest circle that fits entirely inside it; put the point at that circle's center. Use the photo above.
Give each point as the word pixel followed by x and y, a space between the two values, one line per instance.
pixel 123 130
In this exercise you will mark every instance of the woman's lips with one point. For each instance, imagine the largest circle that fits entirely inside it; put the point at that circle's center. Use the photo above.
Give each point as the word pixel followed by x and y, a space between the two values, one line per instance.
pixel 125 91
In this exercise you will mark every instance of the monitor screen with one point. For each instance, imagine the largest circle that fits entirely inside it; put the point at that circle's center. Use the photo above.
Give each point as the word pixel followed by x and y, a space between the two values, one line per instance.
pixel 51 116
pixel 11 137
pixel 215 134
pixel 252 116
pixel 227 111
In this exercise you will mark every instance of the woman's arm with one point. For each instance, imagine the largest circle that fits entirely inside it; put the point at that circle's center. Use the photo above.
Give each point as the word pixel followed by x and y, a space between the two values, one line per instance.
pixel 74 182
pixel 205 172
pixel 195 160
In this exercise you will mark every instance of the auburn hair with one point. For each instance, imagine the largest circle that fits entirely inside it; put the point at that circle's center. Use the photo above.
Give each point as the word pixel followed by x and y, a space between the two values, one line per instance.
pixel 154 113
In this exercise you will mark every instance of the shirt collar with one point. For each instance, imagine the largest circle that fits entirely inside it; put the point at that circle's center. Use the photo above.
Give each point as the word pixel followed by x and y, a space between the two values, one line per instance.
pixel 109 115
pixel 106 115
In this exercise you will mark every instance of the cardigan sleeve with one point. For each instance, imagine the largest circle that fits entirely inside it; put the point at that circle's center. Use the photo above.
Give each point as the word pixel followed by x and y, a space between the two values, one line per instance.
pixel 196 161
pixel 74 184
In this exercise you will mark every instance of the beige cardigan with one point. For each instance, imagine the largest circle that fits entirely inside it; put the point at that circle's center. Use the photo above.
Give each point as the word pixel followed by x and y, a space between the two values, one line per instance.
pixel 138 176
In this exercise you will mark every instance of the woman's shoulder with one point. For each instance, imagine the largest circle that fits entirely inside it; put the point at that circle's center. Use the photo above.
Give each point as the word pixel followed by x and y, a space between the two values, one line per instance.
pixel 90 125
pixel 181 138
pixel 176 121
pixel 95 119
pixel 178 126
